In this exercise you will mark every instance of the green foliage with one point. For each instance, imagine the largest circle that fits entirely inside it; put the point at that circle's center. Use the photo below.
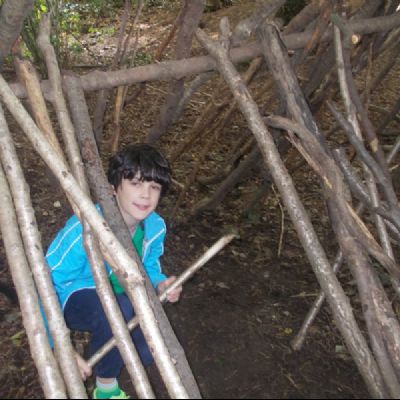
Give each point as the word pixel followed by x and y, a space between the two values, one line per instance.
pixel 69 20
pixel 291 9
pixel 142 58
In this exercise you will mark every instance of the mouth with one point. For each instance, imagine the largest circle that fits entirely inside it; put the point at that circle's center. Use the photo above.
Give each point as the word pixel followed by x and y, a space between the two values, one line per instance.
pixel 141 207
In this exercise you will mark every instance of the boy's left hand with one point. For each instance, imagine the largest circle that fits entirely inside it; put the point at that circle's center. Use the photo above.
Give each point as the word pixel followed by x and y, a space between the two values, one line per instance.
pixel 175 295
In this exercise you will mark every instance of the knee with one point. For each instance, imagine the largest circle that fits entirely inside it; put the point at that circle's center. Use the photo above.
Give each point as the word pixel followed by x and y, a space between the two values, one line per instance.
pixel 100 322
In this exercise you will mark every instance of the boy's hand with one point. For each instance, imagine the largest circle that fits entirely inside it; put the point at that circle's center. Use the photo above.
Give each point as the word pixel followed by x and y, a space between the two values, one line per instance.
pixel 84 368
pixel 175 295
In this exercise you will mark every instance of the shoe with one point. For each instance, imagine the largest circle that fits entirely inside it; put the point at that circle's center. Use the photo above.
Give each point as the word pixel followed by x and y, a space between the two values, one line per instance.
pixel 122 395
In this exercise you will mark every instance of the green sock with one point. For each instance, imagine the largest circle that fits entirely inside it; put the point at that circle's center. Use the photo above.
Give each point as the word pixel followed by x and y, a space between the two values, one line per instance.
pixel 105 391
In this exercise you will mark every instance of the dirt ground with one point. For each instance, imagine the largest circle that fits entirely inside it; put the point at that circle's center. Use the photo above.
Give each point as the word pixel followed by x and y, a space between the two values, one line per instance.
pixel 238 315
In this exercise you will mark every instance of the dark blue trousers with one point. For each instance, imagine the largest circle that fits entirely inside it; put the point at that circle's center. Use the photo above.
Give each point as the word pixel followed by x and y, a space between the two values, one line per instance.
pixel 84 312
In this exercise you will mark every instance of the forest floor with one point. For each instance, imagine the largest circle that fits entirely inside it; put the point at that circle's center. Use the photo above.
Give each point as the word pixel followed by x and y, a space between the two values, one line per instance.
pixel 238 315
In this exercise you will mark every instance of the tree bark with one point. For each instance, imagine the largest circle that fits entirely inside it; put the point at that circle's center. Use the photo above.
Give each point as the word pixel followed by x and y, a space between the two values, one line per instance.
pixel 12 17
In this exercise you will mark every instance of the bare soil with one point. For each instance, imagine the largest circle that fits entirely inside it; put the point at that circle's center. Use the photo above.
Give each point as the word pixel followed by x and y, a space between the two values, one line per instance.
pixel 238 315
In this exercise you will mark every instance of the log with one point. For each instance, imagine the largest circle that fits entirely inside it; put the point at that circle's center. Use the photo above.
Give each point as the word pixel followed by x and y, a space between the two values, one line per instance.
pixel 337 299
pixel 31 236
pixel 279 64
pixel 298 341
pixel 304 17
pixel 114 252
pixel 49 373
pixel 367 284
pixel 127 349
pixel 103 192
pixel 196 65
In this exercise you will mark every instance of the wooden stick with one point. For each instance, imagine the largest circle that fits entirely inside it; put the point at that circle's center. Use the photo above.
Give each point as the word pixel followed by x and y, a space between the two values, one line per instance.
pixel 49 373
pixel 192 13
pixel 345 76
pixel 216 133
pixel 102 191
pixel 298 341
pixel 33 247
pixel 177 69
pixel 182 279
pixel 124 265
pixel 117 323
pixel 122 91
pixel 341 308
pixel 279 64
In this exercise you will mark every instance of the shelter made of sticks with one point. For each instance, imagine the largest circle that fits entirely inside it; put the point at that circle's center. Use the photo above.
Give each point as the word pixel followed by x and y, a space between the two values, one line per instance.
pixel 335 40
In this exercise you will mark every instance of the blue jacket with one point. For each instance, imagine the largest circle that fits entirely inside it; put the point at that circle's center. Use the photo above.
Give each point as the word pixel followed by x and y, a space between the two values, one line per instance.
pixel 69 265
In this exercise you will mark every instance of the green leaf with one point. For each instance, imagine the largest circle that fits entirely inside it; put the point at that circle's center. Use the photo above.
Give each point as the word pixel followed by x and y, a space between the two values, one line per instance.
pixel 16 339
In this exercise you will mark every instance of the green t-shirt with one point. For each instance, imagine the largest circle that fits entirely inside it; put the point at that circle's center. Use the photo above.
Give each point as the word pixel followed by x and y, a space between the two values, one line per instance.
pixel 137 242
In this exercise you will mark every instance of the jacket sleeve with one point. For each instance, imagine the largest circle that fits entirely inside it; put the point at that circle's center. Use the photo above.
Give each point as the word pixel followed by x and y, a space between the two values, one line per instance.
pixel 152 263
pixel 66 259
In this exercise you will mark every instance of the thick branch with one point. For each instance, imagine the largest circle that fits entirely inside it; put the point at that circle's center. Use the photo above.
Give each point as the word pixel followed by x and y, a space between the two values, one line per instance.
pixel 12 17
pixel 103 193
pixel 337 299
pixel 276 56
pixel 124 264
pixel 49 373
pixel 32 241
pixel 178 69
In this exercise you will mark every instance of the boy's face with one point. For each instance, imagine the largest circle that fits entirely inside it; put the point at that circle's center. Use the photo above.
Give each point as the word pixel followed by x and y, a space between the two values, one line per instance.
pixel 137 199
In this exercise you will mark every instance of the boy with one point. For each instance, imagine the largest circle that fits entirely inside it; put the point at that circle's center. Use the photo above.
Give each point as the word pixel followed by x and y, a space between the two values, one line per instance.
pixel 140 176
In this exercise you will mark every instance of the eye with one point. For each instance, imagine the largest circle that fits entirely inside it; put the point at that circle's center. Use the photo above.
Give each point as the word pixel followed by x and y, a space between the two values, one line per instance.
pixel 156 187
pixel 135 182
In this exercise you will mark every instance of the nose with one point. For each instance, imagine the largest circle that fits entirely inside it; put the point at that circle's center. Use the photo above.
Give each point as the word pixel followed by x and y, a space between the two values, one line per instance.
pixel 145 192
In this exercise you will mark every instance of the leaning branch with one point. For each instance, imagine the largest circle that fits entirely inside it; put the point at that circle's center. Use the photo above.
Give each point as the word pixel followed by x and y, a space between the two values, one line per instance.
pixel 49 373
pixel 328 281
pixel 102 191
pixel 124 264
pixel 211 252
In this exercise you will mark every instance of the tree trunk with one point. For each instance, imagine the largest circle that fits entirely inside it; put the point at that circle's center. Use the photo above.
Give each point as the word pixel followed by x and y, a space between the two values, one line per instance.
pixel 193 11
pixel 12 17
